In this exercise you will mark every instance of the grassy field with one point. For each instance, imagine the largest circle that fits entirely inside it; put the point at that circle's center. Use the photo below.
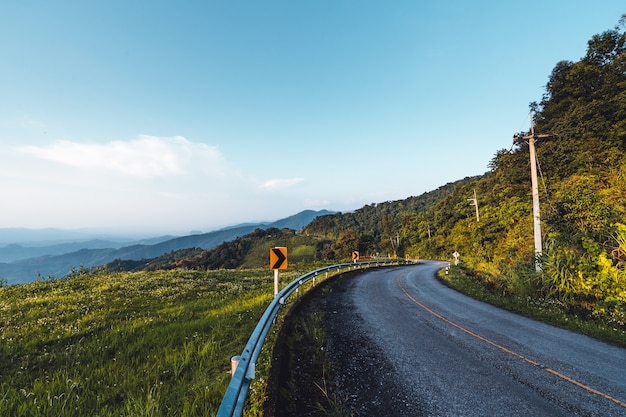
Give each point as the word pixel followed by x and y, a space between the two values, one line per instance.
pixel 127 344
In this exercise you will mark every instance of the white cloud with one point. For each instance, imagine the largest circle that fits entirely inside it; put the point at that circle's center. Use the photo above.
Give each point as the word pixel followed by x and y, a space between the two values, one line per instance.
pixel 280 183
pixel 144 157
pixel 147 183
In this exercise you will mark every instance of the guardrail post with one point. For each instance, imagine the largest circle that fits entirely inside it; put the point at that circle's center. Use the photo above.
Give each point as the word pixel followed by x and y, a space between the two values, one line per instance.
pixel 234 362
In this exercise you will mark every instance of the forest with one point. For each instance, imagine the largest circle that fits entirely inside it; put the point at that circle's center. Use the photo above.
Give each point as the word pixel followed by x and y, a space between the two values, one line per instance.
pixel 580 124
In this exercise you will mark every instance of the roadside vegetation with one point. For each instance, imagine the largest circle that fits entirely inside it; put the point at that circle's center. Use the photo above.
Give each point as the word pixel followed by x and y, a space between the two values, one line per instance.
pixel 127 344
pixel 301 379
pixel 547 309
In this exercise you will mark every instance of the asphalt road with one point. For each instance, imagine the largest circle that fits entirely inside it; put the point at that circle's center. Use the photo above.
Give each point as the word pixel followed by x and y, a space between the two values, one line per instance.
pixel 441 353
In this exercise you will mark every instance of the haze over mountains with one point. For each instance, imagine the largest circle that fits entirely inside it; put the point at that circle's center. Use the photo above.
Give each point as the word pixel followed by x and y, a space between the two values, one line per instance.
pixel 29 254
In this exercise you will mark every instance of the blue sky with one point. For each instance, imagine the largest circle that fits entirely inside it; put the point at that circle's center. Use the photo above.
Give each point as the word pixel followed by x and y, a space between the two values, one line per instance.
pixel 168 116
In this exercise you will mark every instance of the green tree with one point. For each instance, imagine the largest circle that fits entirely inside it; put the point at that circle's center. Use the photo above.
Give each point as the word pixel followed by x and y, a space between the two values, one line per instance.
pixel 347 242
pixel 578 210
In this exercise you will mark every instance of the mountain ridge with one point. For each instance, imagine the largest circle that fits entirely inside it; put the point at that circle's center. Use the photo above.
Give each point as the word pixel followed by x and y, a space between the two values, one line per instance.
pixel 61 264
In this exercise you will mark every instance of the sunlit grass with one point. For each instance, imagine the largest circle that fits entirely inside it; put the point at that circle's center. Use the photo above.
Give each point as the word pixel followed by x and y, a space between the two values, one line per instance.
pixel 544 309
pixel 127 344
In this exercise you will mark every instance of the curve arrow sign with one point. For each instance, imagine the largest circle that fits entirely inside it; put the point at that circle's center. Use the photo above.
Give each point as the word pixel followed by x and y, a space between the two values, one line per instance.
pixel 278 258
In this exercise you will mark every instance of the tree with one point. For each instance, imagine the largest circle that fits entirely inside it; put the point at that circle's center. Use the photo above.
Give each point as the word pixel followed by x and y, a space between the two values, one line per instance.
pixel 347 242
pixel 578 211
pixel 389 234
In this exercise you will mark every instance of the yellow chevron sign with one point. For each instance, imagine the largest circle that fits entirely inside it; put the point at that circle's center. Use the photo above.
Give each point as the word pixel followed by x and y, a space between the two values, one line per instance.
pixel 278 258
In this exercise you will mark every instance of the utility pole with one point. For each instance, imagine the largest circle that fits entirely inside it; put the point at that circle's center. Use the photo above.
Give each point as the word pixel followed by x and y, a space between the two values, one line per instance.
pixel 532 138
pixel 474 202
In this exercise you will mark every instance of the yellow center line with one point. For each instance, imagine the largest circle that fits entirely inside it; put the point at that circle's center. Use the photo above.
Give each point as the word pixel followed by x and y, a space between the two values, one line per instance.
pixel 509 351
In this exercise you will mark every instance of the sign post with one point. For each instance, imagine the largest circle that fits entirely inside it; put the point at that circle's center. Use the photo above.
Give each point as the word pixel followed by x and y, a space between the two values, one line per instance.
pixel 278 261
pixel 355 256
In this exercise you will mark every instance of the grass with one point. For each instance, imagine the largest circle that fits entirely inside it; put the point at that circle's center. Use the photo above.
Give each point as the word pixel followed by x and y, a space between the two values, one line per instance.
pixel 258 388
pixel 127 344
pixel 302 375
pixel 548 310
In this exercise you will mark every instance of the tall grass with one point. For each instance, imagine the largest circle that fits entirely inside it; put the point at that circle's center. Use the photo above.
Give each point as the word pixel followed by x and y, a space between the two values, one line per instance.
pixel 127 344
pixel 533 305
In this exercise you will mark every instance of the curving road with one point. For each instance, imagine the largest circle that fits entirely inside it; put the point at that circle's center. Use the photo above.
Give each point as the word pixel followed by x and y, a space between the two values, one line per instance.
pixel 441 353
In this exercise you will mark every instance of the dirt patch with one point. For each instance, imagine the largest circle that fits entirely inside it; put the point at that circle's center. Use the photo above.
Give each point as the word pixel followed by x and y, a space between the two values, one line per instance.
pixel 325 365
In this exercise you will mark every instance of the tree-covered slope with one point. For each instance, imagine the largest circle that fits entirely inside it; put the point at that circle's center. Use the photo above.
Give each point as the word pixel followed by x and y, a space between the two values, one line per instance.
pixel 582 183
pixel 376 224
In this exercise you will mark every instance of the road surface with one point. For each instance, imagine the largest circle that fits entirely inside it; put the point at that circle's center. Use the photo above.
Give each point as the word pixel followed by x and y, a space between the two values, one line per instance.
pixel 406 345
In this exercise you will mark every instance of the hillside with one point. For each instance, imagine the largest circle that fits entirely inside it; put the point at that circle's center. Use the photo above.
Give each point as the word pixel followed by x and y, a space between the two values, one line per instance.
pixel 375 223
pixel 323 239
pixel 248 251
pixel 131 344
pixel 582 168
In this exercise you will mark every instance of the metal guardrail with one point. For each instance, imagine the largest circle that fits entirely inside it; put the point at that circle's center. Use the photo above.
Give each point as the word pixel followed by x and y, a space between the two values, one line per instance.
pixel 237 391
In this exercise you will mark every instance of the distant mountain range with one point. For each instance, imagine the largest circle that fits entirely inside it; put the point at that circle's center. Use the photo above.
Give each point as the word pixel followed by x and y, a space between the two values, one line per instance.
pixel 20 264
pixel 51 236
